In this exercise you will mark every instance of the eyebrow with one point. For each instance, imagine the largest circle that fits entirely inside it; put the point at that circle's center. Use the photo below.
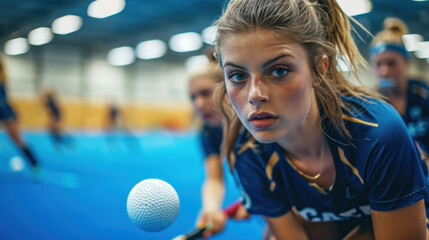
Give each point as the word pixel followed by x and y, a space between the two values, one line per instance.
pixel 233 65
pixel 277 58
pixel 265 64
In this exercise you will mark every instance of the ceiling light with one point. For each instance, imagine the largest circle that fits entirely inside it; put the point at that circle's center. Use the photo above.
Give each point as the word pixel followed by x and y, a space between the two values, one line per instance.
pixel 105 8
pixel 411 41
pixel 16 46
pixel 67 24
pixel 423 50
pixel 185 42
pixel 151 49
pixel 209 35
pixel 121 56
pixel 356 7
pixel 420 0
pixel 40 36
pixel 195 62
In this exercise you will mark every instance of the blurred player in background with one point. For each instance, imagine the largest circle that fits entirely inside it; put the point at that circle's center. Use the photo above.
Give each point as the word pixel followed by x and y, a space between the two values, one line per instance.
pixel 9 118
pixel 410 97
pixel 202 84
pixel 114 120
pixel 116 128
pixel 55 126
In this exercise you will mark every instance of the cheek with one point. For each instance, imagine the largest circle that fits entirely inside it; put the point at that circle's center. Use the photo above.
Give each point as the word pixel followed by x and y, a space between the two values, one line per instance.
pixel 210 103
pixel 236 96
pixel 207 101
pixel 403 68
pixel 296 94
pixel 378 70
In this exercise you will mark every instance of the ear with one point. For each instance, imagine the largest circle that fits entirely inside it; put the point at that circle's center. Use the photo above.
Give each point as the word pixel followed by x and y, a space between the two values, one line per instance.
pixel 323 65
pixel 322 68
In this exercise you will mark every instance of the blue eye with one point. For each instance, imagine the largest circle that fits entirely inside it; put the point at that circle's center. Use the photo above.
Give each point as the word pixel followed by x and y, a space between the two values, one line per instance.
pixel 238 77
pixel 279 72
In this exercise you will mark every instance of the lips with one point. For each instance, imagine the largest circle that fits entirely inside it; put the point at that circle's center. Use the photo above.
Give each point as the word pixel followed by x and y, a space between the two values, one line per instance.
pixel 262 120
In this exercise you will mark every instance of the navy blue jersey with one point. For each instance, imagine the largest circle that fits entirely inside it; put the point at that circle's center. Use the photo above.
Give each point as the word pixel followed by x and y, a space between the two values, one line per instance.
pixel 6 111
pixel 211 139
pixel 382 171
pixel 52 106
pixel 416 115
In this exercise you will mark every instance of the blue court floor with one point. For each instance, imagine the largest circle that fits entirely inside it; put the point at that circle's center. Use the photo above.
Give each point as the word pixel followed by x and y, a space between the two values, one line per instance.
pixel 83 189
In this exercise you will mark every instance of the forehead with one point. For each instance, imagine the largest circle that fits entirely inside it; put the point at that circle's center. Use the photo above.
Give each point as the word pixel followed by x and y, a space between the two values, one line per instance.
pixel 258 44
pixel 202 82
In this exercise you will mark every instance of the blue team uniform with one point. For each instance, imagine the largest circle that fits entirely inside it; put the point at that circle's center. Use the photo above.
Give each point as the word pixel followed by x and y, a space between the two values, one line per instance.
pixel 381 172
pixel 6 111
pixel 416 115
pixel 53 108
pixel 211 139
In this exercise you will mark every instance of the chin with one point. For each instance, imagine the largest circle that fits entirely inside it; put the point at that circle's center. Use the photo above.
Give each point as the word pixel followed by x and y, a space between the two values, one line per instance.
pixel 264 136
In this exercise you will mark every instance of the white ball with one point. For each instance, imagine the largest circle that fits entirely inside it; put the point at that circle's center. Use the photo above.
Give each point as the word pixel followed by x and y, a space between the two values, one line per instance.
pixel 16 164
pixel 153 205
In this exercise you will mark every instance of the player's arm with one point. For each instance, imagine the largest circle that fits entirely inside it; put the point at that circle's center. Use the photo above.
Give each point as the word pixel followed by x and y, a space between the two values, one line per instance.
pixel 286 227
pixel 404 223
pixel 213 187
pixel 213 193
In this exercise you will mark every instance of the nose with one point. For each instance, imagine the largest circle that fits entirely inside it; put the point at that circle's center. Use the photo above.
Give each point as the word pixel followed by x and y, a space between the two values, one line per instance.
pixel 258 91
pixel 383 71
pixel 199 103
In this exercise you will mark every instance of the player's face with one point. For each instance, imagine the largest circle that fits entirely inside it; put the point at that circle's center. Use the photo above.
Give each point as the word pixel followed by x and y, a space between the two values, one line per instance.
pixel 390 65
pixel 201 91
pixel 269 83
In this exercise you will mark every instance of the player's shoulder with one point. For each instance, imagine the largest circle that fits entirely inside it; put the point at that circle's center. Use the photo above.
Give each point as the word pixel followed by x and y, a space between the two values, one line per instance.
pixel 418 82
pixel 367 110
pixel 419 88
pixel 371 116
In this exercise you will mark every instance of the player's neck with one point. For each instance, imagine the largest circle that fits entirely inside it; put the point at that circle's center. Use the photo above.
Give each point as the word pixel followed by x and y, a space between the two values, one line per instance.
pixel 305 141
pixel 305 148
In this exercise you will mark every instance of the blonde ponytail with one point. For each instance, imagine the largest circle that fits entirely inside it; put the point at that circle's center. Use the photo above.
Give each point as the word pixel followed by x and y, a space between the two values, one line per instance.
pixel 394 28
pixel 338 33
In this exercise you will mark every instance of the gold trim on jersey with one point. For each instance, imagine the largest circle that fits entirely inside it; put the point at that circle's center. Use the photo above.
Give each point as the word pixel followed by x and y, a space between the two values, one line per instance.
pixel 422 92
pixel 352 119
pixel 272 186
pixel 269 169
pixel 321 189
pixel 344 159
pixel 249 144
